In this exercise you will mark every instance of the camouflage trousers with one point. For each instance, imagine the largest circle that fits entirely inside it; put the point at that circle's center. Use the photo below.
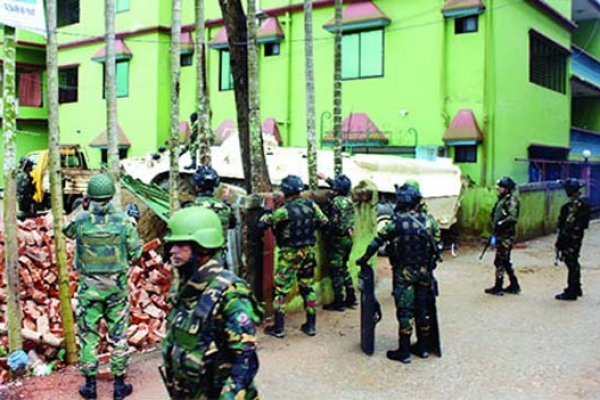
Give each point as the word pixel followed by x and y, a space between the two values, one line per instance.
pixel 570 255
pixel 502 261
pixel 113 307
pixel 338 264
pixel 411 287
pixel 295 264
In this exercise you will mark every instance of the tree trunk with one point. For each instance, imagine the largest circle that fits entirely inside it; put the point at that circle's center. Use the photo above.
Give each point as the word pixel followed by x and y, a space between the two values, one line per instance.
pixel 56 194
pixel 204 131
pixel 11 255
pixel 175 74
pixel 110 87
pixel 310 96
pixel 337 90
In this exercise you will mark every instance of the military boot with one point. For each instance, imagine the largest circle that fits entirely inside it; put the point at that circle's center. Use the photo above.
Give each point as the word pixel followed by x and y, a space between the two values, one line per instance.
pixel 192 165
pixel 566 295
pixel 496 289
pixel 277 329
pixel 421 348
pixel 122 389
pixel 310 326
pixel 402 354
pixel 513 287
pixel 88 389
pixel 336 305
pixel 350 301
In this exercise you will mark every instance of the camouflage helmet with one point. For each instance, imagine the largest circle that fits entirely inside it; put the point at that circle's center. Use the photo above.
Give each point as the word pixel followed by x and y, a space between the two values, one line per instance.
pixel 291 185
pixel 101 187
pixel 572 185
pixel 407 195
pixel 507 183
pixel 206 178
pixel 413 183
pixel 195 224
pixel 342 184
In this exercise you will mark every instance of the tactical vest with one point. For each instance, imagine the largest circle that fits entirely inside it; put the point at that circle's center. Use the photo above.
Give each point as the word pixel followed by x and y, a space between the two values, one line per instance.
pixel 412 241
pixel 101 244
pixel 299 229
pixel 346 220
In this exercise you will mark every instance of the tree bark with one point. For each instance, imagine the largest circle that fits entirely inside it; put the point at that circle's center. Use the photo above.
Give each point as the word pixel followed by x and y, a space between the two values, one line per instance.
pixel 310 96
pixel 203 100
pixel 337 90
pixel 175 76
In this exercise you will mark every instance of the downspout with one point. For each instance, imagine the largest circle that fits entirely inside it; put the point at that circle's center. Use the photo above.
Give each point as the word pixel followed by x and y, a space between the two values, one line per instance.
pixel 488 101
pixel 288 44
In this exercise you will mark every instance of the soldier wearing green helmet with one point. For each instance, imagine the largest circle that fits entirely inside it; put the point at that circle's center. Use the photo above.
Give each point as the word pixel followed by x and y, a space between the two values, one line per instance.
pixel 212 309
pixel 106 244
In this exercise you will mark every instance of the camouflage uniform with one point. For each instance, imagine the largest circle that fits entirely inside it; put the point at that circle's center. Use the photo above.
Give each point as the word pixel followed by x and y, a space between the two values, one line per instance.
pixel 294 226
pixel 106 243
pixel 25 192
pixel 223 210
pixel 211 325
pixel 573 220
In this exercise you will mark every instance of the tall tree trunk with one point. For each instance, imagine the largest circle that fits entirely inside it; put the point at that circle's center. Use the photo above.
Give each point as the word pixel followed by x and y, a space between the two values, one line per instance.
pixel 203 102
pixel 310 95
pixel 56 193
pixel 258 163
pixel 235 23
pixel 11 251
pixel 110 87
pixel 337 90
pixel 175 74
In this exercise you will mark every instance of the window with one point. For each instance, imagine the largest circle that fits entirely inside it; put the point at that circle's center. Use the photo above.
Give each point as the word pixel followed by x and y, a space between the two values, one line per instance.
pixel 225 76
pixel 186 60
pixel 104 154
pixel 29 88
pixel 121 76
pixel 465 154
pixel 466 24
pixel 272 49
pixel 121 6
pixel 362 54
pixel 67 85
pixel 67 12
pixel 547 63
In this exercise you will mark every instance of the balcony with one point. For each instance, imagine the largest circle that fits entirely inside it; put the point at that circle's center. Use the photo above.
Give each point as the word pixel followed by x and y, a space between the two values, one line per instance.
pixel 585 74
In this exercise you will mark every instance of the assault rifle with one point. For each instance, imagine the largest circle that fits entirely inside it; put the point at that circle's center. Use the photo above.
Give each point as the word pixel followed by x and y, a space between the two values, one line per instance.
pixel 490 242
pixel 163 375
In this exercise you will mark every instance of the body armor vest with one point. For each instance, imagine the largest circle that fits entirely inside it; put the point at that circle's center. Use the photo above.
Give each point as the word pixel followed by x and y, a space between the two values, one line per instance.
pixel 299 230
pixel 346 221
pixel 101 244
pixel 412 244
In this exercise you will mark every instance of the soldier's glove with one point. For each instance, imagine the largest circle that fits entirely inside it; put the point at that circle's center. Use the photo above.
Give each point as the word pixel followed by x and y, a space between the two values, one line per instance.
pixel 362 262
pixel 378 313
pixel 133 211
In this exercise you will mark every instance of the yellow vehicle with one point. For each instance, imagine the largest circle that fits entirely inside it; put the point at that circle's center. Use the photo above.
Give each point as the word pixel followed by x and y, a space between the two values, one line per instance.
pixel 74 170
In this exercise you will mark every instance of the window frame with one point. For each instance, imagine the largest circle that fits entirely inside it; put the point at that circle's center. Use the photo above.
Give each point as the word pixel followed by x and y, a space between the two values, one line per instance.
pixel 225 86
pixel 68 94
pixel 122 6
pixel 65 12
pixel 359 61
pixel 461 24
pixel 465 154
pixel 272 49
pixel 125 88
pixel 548 63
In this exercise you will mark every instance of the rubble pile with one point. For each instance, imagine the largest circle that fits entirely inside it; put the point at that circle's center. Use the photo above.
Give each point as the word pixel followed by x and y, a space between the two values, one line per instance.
pixel 42 328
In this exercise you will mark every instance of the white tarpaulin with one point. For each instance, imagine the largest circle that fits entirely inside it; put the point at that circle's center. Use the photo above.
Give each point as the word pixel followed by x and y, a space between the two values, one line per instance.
pixel 28 15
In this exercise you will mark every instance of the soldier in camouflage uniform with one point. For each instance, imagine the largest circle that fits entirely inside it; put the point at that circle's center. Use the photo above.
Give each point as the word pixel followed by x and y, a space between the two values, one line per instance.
pixel 573 220
pixel 25 189
pixel 209 350
pixel 340 212
pixel 411 251
pixel 192 143
pixel 505 215
pixel 294 226
pixel 107 242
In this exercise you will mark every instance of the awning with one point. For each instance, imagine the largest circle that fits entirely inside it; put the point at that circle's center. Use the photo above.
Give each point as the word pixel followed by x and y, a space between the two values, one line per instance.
pixel 186 42
pixel 270 31
pixel 184 130
pixel 270 129
pixel 220 40
pixel 463 130
pixel 360 16
pixel 462 8
pixel 122 52
pixel 358 130
pixel 101 140
pixel 223 131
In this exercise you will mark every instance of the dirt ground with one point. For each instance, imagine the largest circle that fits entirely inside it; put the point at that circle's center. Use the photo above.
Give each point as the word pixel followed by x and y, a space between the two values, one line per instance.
pixel 526 346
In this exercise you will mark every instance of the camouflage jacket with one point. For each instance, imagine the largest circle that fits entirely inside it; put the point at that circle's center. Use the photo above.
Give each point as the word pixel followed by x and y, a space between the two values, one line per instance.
pixel 223 210
pixel 341 216
pixel 25 186
pixel 573 219
pixel 505 215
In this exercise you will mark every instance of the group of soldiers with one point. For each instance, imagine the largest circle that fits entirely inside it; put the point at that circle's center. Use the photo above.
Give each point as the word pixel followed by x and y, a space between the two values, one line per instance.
pixel 210 347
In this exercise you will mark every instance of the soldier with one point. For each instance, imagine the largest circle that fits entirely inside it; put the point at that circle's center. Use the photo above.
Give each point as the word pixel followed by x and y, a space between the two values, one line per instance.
pixel 107 243
pixel 192 144
pixel 294 226
pixel 411 251
pixel 25 189
pixel 423 207
pixel 573 220
pixel 209 350
pixel 504 228
pixel 206 181
pixel 340 212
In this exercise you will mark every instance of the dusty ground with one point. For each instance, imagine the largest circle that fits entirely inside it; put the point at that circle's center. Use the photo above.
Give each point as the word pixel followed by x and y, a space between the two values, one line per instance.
pixel 528 346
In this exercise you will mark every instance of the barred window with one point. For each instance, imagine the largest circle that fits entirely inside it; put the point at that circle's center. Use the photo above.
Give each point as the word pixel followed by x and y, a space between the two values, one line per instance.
pixel 68 83
pixel 547 63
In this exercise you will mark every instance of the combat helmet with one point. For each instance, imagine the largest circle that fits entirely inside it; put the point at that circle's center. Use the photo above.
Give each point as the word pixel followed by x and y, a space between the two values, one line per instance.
pixel 195 224
pixel 101 187
pixel 572 186
pixel 407 196
pixel 206 178
pixel 413 183
pixel 291 185
pixel 507 183
pixel 342 184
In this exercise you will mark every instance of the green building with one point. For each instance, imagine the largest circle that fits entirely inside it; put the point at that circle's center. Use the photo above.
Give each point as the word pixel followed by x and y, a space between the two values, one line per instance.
pixel 501 87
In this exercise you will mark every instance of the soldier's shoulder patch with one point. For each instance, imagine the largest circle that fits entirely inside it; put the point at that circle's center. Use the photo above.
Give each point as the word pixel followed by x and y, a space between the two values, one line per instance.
pixel 242 319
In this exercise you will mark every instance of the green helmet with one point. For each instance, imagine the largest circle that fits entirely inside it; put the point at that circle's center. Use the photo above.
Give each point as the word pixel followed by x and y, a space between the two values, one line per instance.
pixel 196 224
pixel 101 187
pixel 412 183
